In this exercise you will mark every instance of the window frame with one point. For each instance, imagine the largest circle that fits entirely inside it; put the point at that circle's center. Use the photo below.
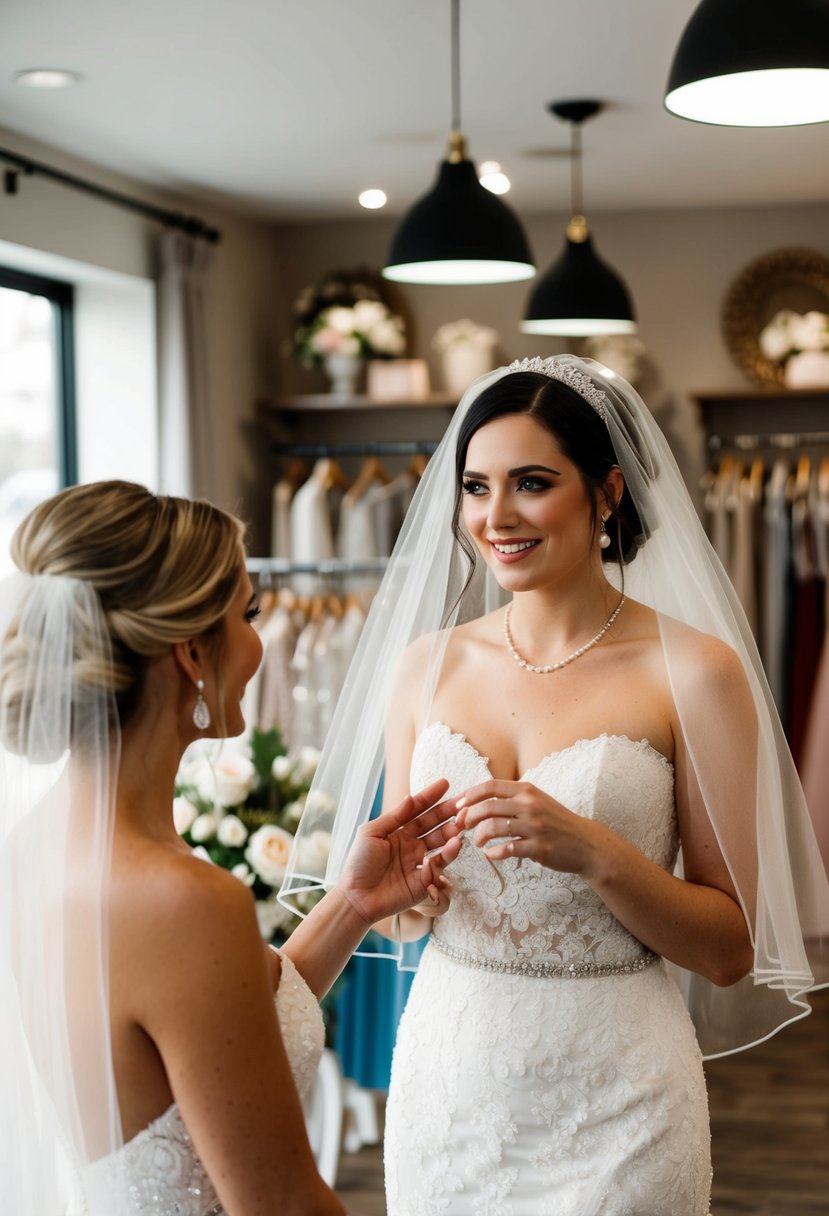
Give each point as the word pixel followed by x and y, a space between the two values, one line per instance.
pixel 62 296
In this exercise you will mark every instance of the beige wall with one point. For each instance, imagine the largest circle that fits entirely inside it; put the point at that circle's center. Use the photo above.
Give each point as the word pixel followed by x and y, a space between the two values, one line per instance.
pixel 243 293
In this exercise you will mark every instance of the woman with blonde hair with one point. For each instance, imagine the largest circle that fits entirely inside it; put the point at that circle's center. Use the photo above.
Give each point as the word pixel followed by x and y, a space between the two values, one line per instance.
pixel 154 1049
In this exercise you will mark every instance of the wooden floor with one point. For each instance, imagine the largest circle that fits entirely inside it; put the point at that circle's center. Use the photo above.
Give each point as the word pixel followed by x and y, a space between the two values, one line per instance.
pixel 769 1130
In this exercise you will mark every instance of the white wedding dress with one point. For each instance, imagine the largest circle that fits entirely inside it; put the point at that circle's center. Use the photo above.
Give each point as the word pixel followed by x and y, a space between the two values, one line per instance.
pixel 545 1064
pixel 159 1168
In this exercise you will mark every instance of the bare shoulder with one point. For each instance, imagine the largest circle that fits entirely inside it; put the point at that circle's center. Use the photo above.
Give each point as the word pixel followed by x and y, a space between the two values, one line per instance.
pixel 705 666
pixel 183 925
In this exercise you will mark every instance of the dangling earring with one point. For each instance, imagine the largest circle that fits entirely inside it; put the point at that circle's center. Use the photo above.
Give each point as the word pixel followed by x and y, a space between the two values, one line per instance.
pixel 201 712
pixel 604 539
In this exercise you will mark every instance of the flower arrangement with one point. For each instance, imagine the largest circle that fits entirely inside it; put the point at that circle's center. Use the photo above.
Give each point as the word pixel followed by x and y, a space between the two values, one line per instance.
pixel 790 333
pixel 464 333
pixel 240 810
pixel 346 313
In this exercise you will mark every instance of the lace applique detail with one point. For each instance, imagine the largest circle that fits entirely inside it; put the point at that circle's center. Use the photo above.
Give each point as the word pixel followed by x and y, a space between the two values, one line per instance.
pixel 517 1095
pixel 158 1172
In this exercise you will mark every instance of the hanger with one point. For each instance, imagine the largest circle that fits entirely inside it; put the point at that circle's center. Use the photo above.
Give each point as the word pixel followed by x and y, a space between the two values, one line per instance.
pixel 757 476
pixel 417 464
pixel 296 472
pixel 803 477
pixel 371 471
pixel 327 471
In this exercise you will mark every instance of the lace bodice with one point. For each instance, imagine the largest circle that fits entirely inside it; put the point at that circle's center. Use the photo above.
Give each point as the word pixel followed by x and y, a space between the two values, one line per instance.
pixel 158 1172
pixel 517 911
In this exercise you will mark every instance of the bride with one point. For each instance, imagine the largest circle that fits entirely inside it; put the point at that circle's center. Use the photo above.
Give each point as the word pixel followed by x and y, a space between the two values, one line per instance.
pixel 637 869
pixel 153 1049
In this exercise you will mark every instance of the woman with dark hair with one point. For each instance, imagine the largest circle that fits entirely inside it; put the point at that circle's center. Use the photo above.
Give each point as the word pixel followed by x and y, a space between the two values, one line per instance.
pixel 637 871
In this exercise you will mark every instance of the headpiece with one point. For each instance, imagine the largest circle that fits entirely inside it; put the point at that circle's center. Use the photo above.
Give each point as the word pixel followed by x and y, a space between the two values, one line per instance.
pixel 756 810
pixel 560 369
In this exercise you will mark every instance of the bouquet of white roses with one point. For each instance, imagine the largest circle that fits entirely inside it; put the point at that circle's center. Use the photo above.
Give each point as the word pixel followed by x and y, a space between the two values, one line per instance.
pixel 790 333
pixel 240 809
pixel 367 329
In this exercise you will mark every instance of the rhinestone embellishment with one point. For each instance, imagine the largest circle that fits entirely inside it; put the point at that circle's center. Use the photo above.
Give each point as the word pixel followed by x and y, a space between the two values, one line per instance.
pixel 569 375
pixel 543 671
pixel 540 969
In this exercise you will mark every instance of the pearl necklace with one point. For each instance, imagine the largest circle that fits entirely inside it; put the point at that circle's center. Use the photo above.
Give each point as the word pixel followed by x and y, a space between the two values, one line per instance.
pixel 543 671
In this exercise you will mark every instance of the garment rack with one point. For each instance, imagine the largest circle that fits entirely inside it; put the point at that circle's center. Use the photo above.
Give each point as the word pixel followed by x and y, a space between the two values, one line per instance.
pixel 321 450
pixel 268 567
pixel 781 439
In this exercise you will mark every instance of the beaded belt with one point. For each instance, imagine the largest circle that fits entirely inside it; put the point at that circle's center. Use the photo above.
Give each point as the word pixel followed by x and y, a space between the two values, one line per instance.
pixel 571 971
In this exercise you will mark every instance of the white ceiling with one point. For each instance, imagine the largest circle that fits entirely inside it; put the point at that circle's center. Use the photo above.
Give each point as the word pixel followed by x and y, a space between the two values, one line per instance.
pixel 289 107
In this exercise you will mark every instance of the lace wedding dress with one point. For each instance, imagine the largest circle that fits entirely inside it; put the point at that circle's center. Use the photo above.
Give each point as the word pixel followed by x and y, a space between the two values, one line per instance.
pixel 545 1064
pixel 159 1168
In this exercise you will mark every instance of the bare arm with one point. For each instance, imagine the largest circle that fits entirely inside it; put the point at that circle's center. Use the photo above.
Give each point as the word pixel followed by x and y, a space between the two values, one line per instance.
pixel 385 873
pixel 696 921
pixel 206 1000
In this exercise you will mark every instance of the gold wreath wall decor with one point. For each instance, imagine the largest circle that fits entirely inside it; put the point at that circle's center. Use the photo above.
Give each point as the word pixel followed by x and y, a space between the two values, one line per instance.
pixel 787 278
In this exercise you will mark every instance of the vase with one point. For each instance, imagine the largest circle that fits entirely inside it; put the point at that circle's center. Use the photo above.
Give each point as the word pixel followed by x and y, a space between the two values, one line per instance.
pixel 344 373
pixel 809 369
pixel 464 362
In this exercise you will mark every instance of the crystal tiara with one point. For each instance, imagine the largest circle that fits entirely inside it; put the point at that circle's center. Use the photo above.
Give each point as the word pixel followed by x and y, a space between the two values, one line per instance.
pixel 569 375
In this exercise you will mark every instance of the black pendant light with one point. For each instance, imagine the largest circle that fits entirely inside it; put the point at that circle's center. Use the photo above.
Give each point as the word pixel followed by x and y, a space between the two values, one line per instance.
pixel 580 294
pixel 459 232
pixel 753 63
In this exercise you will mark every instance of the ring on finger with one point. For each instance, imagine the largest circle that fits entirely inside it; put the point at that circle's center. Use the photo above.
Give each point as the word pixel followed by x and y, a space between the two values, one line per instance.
pixel 509 827
pixel 512 848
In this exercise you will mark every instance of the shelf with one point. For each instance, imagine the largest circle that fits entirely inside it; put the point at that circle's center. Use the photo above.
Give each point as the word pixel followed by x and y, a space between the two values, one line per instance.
pixel 334 402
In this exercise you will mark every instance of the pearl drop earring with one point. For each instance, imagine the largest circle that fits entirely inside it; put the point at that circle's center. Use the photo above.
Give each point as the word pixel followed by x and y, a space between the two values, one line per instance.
pixel 201 711
pixel 604 539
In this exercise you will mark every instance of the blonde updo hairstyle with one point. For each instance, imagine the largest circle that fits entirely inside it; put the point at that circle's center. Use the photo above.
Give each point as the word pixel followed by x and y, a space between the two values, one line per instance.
pixel 165 570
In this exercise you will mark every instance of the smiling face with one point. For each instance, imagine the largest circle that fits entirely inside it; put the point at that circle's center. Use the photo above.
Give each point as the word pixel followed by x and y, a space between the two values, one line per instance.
pixel 525 505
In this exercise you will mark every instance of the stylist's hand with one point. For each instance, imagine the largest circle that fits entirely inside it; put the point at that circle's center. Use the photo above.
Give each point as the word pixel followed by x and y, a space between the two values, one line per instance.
pixel 387 870
pixel 536 826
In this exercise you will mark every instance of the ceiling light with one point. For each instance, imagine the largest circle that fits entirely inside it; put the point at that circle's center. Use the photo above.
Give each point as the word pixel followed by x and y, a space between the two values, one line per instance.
pixel 579 295
pixel 459 232
pixel 47 78
pixel 491 177
pixel 372 199
pixel 753 63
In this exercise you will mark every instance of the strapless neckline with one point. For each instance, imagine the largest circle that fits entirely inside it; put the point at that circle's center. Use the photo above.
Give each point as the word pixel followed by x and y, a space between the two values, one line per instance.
pixel 644 746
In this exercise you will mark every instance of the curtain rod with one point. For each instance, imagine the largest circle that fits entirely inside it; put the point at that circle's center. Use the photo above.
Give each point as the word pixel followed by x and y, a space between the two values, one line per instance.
pixel 190 224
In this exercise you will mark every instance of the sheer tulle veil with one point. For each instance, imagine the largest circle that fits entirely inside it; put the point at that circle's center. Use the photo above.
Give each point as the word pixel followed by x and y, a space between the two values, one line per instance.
pixel 59 744
pixel 751 792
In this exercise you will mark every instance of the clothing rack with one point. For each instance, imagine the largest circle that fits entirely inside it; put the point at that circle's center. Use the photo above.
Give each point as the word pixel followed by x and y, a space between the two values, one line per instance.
pixel 321 450
pixel 782 439
pixel 268 567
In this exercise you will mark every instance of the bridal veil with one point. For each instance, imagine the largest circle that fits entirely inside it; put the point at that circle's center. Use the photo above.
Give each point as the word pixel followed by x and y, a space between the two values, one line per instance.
pixel 740 766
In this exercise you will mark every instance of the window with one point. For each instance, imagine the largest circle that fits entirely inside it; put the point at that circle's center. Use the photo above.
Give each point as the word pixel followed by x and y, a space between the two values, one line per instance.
pixel 38 453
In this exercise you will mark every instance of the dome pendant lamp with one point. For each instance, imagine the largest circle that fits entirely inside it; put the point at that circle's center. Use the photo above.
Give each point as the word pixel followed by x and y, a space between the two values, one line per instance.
pixel 579 295
pixel 459 232
pixel 753 63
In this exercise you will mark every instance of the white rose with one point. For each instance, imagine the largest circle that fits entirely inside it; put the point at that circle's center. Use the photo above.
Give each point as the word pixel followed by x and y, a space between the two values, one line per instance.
pixel 204 828
pixel 202 854
pixel 235 778
pixel 268 852
pixel 387 336
pixel 368 313
pixel 184 815
pixel 282 768
pixel 809 332
pixel 232 832
pixel 271 916
pixel 292 812
pixel 198 772
pixel 242 872
pixel 349 345
pixel 340 319
pixel 319 803
pixel 306 763
pixel 312 853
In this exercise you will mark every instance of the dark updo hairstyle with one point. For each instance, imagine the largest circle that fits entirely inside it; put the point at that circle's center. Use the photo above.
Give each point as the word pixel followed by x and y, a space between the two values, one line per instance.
pixel 580 433
pixel 164 570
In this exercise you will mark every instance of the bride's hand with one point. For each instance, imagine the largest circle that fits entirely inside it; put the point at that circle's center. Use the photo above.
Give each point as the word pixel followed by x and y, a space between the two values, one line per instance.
pixel 536 825
pixel 387 870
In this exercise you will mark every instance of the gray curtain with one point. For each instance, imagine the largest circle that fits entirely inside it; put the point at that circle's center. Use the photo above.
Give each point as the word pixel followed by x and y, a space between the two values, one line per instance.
pixel 185 433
